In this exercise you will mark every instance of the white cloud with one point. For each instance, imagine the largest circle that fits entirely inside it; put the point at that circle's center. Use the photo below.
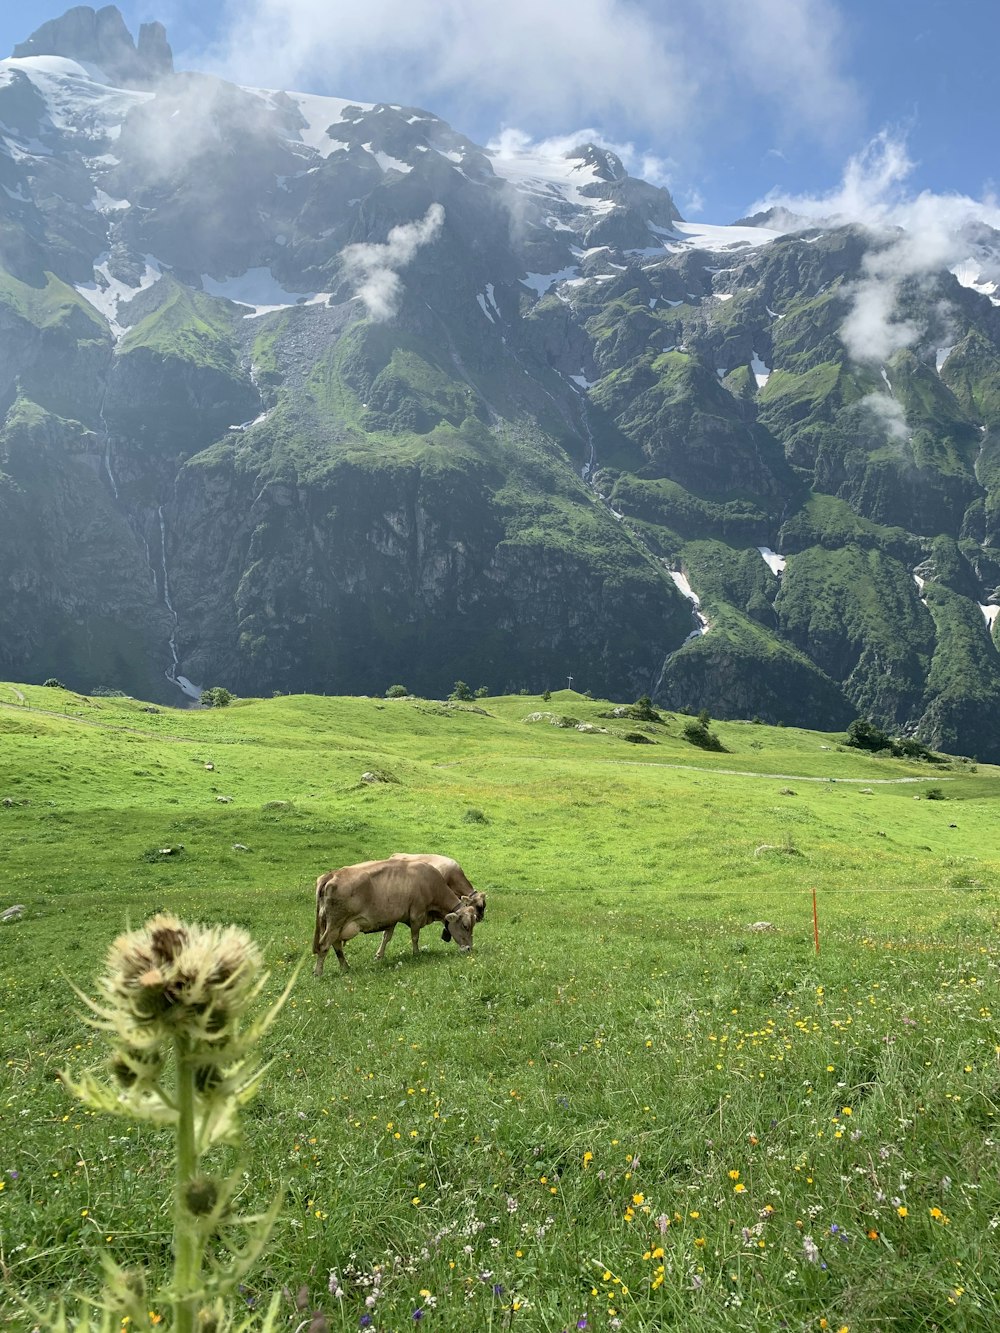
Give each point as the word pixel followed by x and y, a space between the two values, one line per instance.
pixel 650 70
pixel 512 142
pixel 921 234
pixel 889 412
pixel 374 267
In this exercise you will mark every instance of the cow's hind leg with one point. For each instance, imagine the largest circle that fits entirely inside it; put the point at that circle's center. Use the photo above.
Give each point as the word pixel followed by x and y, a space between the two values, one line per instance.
pixel 386 937
pixel 338 949
pixel 415 937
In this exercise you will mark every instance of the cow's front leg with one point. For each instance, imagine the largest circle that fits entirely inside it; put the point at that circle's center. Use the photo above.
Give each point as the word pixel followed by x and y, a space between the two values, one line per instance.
pixel 415 937
pixel 386 937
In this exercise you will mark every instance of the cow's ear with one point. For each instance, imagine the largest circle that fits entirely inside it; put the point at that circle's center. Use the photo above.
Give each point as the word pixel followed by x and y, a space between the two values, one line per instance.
pixel 465 900
pixel 452 916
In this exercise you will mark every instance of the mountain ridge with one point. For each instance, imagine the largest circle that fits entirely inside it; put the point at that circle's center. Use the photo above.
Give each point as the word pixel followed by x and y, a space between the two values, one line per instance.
pixel 353 400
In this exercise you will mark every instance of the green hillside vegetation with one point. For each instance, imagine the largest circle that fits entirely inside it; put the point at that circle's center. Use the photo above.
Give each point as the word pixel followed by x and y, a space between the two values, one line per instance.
pixel 189 326
pixel 644 1101
pixel 55 305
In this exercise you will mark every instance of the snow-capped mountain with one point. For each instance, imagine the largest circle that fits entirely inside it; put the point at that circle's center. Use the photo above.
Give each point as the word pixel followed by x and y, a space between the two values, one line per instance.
pixel 301 393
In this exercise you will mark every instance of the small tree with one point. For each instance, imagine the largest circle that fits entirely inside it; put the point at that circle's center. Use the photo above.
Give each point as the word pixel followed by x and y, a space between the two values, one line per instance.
pixel 698 733
pixel 865 735
pixel 216 697
pixel 546 696
pixel 482 692
pixel 461 693
pixel 643 711
pixel 396 692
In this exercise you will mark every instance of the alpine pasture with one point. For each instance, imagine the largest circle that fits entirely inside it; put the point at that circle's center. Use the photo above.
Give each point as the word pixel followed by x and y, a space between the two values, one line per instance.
pixel 625 1110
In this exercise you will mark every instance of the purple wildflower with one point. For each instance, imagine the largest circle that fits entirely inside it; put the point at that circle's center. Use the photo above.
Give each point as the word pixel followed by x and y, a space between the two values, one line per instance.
pixel 364 1321
pixel 418 1314
pixel 497 1288
pixel 582 1321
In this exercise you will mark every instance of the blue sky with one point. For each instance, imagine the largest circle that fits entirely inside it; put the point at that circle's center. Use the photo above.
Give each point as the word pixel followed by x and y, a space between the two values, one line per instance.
pixel 725 102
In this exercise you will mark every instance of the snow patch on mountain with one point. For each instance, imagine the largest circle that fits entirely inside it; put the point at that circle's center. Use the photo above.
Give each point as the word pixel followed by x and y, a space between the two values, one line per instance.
pixel 541 282
pixel 259 289
pixel 774 562
pixel 79 99
pixel 544 170
pixel 704 236
pixel 761 373
pixel 970 274
pixel 319 113
pixel 108 294
pixel 684 587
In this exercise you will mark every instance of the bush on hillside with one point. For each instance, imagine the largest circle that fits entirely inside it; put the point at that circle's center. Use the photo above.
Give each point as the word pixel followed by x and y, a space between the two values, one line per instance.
pixel 396 692
pixel 643 711
pixel 865 735
pixel 54 684
pixel 698 732
pixel 461 692
pixel 216 697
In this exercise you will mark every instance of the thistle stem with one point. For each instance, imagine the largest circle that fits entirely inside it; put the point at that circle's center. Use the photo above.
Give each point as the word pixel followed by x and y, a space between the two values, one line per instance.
pixel 187 1244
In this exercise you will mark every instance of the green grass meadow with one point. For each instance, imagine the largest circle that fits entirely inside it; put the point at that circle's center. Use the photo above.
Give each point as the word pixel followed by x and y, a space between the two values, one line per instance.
pixel 625 1110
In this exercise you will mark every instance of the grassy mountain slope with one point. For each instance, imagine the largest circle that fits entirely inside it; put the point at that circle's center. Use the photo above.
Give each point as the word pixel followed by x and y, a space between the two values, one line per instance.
pixel 618 1054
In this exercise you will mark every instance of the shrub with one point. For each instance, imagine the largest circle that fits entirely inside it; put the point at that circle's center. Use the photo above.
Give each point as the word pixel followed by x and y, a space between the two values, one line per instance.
pixel 216 697
pixel 546 696
pixel 106 692
pixel 482 692
pixel 935 794
pixel 643 711
pixel 396 692
pixel 698 733
pixel 865 735
pixel 473 816
pixel 461 693
pixel 54 684
pixel 637 738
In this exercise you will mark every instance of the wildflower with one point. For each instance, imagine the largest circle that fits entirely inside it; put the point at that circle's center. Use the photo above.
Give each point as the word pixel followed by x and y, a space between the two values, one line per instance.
pixel 588 1157
pixel 811 1249
pixel 739 1188
pixel 902 1210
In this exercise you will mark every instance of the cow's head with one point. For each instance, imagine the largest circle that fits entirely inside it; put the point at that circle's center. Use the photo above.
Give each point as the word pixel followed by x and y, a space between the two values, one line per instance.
pixel 459 926
pixel 476 900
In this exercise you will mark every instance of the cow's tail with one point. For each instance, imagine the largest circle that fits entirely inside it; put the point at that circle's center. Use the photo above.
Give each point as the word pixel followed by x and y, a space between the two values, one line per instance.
pixel 321 920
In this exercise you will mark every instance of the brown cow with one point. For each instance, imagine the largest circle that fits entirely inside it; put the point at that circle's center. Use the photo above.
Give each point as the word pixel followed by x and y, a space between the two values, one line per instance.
pixel 378 895
pixel 455 877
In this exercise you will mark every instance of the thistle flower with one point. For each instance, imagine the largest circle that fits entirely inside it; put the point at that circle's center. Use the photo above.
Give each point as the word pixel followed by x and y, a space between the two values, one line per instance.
pixel 170 977
pixel 173 1002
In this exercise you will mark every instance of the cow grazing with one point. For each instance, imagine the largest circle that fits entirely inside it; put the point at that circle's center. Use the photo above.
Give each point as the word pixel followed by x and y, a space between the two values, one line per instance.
pixel 455 877
pixel 378 895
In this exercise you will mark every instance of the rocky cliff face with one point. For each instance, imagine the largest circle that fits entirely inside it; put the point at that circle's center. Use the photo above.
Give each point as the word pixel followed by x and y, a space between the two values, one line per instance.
pixel 301 394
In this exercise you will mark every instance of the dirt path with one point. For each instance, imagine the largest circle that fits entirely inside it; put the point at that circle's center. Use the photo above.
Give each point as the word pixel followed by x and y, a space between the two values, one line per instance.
pixel 105 726
pixel 726 772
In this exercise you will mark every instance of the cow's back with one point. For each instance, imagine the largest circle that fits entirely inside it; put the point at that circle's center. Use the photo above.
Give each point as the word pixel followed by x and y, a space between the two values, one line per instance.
pixel 378 894
pixel 449 869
